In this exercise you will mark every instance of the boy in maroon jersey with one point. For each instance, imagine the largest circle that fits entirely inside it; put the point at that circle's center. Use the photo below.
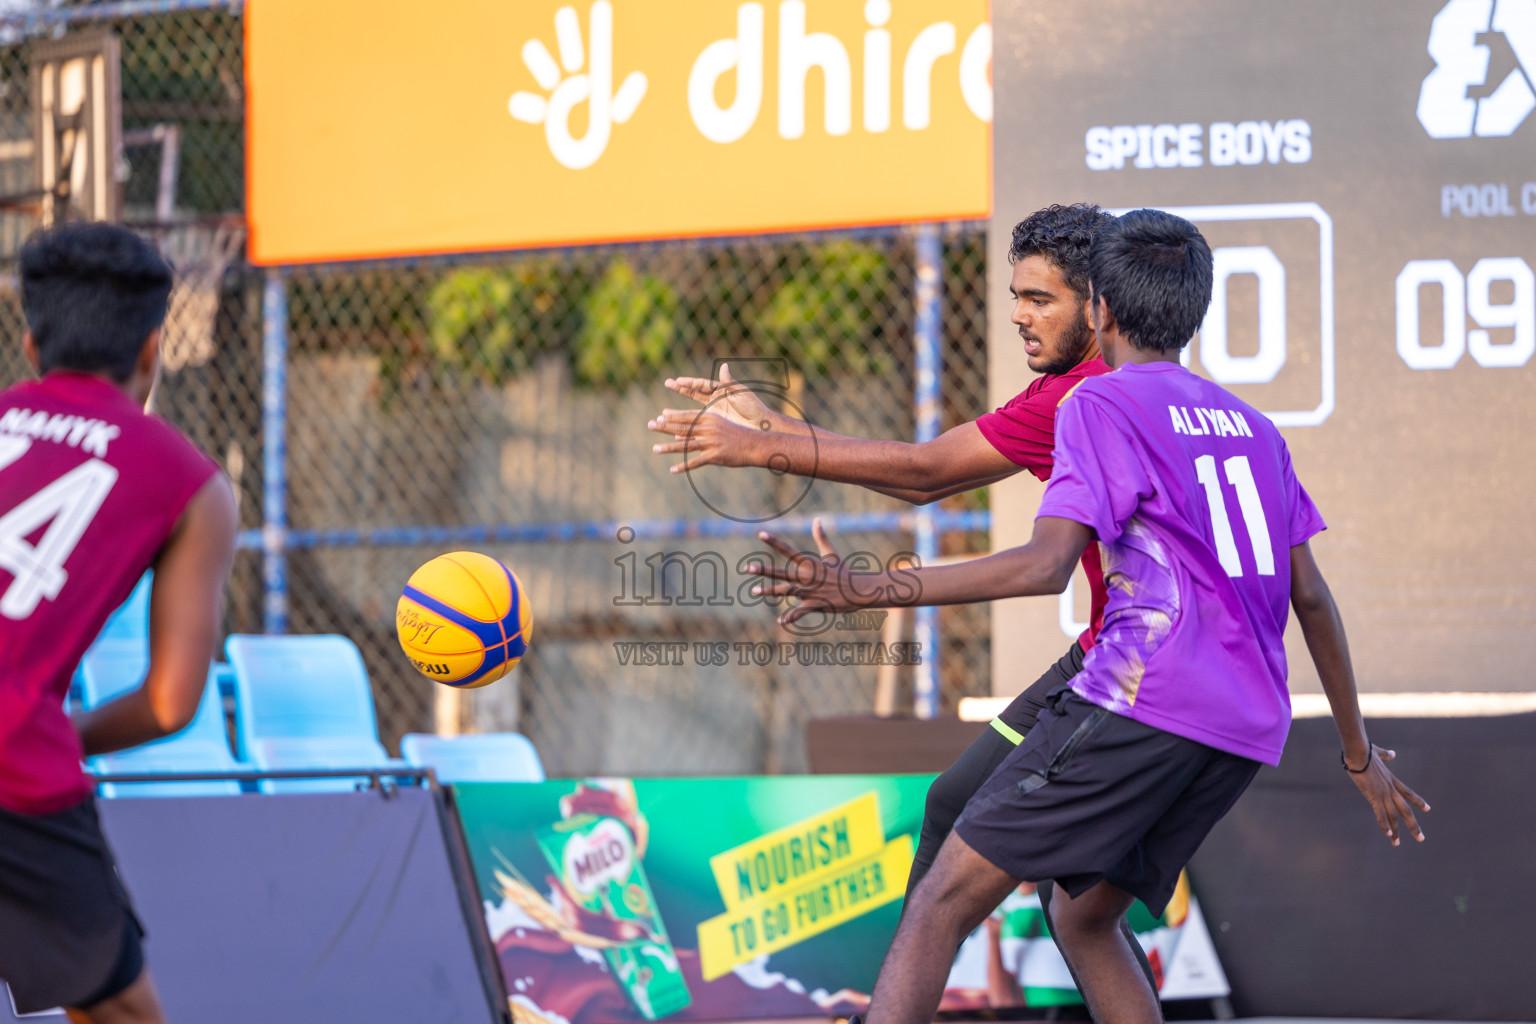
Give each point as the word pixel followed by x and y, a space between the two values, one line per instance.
pixel 1049 254
pixel 93 491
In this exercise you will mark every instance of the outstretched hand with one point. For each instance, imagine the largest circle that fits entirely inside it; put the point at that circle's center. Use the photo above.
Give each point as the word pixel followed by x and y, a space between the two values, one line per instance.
pixel 821 581
pixel 703 439
pixel 1392 801
pixel 726 397
pixel 722 433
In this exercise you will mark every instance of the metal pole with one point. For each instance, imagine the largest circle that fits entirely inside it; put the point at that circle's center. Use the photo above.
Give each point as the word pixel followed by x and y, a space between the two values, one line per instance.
pixel 929 342
pixel 274 451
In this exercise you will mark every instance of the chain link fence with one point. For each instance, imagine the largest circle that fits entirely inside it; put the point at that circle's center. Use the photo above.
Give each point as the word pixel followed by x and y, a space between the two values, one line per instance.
pixel 500 402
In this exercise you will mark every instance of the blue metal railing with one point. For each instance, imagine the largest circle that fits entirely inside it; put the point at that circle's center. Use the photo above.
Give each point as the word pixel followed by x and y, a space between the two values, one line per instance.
pixel 569 531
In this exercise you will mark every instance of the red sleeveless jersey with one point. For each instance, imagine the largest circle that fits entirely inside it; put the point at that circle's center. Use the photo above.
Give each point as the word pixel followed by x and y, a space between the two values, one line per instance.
pixel 90 488
pixel 1024 430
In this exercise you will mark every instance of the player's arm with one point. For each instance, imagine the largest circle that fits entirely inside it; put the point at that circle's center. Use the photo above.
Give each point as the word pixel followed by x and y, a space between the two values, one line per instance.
pixel 928 497
pixel 185 610
pixel 737 428
pixel 1320 623
pixel 823 583
pixel 960 459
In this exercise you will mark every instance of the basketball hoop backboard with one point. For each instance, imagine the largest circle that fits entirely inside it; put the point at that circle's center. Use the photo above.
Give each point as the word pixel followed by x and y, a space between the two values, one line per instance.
pixel 77 126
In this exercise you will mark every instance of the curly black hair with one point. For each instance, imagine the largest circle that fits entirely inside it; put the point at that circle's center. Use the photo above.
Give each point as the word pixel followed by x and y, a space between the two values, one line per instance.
pixel 1063 235
pixel 92 294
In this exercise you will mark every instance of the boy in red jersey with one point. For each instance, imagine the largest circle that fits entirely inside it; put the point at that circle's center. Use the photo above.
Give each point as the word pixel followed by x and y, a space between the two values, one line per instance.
pixel 93 491
pixel 1049 253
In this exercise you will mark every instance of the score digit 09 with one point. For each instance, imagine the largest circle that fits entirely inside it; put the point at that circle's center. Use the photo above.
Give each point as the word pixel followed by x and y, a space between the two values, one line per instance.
pixel 1463 295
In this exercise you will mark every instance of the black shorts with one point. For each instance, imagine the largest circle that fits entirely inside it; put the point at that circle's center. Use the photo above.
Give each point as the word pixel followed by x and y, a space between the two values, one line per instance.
pixel 68 933
pixel 1093 796
pixel 1021 713
pixel 949 793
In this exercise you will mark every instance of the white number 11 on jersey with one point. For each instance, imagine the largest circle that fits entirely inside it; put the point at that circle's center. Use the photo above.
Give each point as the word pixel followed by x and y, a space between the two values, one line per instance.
pixel 1240 476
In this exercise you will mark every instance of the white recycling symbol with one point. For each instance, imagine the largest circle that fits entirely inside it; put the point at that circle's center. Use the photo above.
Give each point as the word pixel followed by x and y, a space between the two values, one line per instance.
pixel 594 85
pixel 1461 63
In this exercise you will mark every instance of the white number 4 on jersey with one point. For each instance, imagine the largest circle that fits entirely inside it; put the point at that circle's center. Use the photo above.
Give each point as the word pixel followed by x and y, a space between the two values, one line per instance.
pixel 70 503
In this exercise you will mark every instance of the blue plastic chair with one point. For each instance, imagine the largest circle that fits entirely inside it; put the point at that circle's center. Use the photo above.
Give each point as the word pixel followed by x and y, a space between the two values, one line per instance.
pixel 483 757
pixel 130 621
pixel 112 667
pixel 303 702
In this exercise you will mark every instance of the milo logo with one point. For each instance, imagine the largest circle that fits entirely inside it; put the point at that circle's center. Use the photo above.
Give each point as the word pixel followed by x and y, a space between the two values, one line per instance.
pixel 605 854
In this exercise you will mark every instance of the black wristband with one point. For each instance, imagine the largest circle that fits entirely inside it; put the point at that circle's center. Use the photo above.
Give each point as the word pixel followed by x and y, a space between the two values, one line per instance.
pixel 1370 752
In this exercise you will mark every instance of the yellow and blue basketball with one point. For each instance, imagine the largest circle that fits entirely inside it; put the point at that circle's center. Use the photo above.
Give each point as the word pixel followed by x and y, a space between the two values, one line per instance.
pixel 463 619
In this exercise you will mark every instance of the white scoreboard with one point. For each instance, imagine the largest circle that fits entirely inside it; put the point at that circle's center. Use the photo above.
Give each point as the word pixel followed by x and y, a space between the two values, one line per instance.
pixel 1366 175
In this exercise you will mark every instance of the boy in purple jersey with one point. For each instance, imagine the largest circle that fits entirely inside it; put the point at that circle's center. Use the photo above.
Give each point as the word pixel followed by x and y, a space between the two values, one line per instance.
pixel 1204 533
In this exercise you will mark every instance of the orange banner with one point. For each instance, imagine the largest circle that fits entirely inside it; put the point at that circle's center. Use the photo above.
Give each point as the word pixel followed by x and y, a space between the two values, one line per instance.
pixel 386 127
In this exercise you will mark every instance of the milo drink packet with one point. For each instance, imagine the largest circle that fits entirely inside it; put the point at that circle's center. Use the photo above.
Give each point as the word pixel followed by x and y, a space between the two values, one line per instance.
pixel 595 861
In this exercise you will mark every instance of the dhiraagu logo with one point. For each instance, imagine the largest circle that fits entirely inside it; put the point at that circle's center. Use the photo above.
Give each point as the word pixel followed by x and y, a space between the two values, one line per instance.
pixel 1446 110
pixel 584 74
pixel 879 83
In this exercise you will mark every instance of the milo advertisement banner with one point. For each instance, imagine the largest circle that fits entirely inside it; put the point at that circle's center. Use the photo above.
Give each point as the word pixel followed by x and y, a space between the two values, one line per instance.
pixel 714 899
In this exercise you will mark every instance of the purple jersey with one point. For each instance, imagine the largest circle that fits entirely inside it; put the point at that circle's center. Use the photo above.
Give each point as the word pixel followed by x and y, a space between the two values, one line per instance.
pixel 1196 508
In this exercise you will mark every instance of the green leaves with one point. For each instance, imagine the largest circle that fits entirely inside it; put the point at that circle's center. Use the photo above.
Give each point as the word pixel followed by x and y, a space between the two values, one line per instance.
pixel 492 322
pixel 823 317
pixel 629 324
pixel 619 320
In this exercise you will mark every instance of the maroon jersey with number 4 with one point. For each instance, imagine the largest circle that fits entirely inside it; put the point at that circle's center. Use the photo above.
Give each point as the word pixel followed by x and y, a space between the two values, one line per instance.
pixel 90 489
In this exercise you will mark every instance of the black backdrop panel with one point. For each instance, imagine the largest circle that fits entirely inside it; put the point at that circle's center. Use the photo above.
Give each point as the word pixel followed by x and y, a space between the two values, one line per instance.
pixel 295 908
pixel 1314 913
